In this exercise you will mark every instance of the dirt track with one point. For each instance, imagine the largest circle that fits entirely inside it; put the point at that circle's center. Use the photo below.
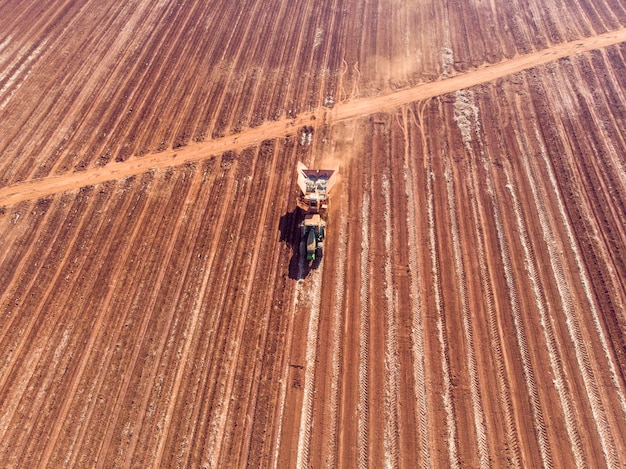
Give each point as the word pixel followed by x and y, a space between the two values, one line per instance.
pixel 345 111
pixel 469 309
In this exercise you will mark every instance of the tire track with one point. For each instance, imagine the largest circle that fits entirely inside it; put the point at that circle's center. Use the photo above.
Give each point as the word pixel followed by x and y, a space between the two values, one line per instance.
pixel 451 430
pixel 392 371
pixel 551 340
pixel 577 331
pixel 417 328
pixel 513 297
pixel 504 386
pixel 337 340
pixel 363 403
pixel 573 326
pixel 460 116
pixel 464 112
pixel 311 297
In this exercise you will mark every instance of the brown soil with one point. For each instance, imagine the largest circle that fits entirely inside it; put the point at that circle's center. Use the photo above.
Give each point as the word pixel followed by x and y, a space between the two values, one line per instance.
pixel 469 307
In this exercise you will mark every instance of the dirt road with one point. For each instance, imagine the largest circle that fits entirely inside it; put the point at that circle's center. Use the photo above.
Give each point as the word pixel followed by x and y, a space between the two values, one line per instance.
pixel 343 111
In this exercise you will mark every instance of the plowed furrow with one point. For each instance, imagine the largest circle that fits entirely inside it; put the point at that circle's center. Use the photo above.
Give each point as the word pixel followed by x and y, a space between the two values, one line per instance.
pixel 392 371
pixel 256 87
pixel 143 116
pixel 585 357
pixel 444 359
pixel 60 423
pixel 74 93
pixel 135 358
pixel 206 80
pixel 181 328
pixel 573 322
pixel 244 264
pixel 176 442
pixel 175 64
pixel 199 49
pixel 243 384
pixel 83 136
pixel 28 393
pixel 239 266
pixel 586 261
pixel 18 18
pixel 117 102
pixel 164 349
pixel 217 127
pixel 485 261
pixel 472 368
pixel 105 358
pixel 348 110
pixel 520 330
pixel 89 257
pixel 262 385
pixel 601 75
pixel 59 94
pixel 417 326
pixel 32 285
pixel 117 98
pixel 20 244
pixel 39 29
pixel 208 357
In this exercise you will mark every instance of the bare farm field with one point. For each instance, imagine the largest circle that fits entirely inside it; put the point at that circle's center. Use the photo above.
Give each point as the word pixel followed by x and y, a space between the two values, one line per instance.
pixel 469 309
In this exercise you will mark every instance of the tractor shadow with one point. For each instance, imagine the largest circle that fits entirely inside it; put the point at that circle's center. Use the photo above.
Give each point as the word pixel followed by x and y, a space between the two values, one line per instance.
pixel 289 227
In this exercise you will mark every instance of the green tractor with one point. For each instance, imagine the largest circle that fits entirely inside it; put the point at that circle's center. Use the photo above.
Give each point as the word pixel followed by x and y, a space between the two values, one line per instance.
pixel 312 236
